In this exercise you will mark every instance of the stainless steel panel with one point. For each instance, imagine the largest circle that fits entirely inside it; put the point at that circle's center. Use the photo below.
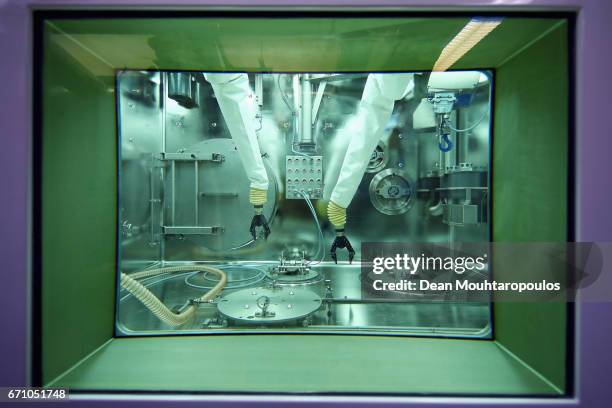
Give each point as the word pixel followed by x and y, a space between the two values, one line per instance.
pixel 180 170
pixel 210 193
pixel 140 135
pixel 342 310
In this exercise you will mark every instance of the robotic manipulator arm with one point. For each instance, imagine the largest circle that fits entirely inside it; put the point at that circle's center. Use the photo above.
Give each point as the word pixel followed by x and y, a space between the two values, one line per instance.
pixel 235 99
pixel 375 108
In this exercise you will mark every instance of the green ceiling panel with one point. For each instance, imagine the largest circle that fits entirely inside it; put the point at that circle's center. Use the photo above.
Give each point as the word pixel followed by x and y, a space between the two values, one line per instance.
pixel 284 44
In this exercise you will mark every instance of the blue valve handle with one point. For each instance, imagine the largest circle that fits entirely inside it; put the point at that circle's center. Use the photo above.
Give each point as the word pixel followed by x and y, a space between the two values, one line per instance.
pixel 446 145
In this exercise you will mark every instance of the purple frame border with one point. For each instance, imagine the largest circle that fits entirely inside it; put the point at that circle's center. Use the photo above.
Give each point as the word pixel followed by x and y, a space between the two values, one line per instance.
pixel 593 192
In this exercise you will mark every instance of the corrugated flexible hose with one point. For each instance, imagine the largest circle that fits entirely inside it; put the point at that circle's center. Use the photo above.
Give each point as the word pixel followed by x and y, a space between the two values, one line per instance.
pixel 336 215
pixel 156 306
pixel 258 196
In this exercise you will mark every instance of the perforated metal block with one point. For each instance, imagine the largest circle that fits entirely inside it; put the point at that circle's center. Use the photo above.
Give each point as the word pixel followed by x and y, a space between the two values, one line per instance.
pixel 304 174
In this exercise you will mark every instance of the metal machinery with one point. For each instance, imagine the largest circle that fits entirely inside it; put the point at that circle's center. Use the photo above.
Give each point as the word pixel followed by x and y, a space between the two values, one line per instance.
pixel 184 199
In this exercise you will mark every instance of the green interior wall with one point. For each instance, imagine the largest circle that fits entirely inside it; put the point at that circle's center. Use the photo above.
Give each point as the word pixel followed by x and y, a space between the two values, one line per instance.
pixel 79 193
pixel 530 176
pixel 79 160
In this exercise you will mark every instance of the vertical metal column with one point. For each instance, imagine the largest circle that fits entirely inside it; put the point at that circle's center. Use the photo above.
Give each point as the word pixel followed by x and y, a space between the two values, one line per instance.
pixel 152 200
pixel 162 174
pixel 305 111
pixel 451 156
pixel 441 161
pixel 173 197
pixel 463 138
pixel 196 188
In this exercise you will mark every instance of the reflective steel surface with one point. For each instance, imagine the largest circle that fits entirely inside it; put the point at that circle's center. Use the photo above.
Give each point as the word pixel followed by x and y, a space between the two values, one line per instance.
pixel 343 307
pixel 209 199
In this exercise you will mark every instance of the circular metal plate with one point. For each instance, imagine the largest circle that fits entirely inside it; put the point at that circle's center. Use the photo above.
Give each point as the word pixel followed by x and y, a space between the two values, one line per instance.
pixel 283 304
pixel 391 192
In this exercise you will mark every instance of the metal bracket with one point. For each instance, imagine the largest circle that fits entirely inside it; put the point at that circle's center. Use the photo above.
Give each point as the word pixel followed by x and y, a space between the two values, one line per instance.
pixel 192 230
pixel 443 102
pixel 218 195
pixel 198 301
pixel 195 157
